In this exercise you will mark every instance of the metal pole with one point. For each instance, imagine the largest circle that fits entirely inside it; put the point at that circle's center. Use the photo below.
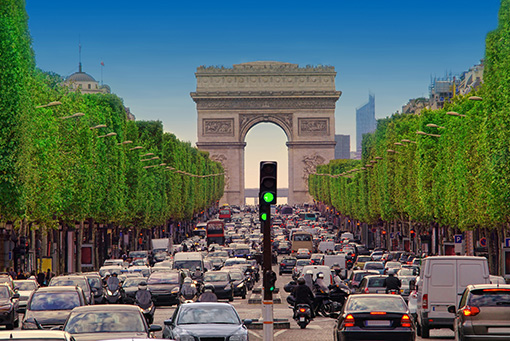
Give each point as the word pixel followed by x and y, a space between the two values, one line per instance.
pixel 267 302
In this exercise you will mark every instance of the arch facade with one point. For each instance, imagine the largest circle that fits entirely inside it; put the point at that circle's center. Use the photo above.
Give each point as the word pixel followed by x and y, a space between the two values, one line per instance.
pixel 301 101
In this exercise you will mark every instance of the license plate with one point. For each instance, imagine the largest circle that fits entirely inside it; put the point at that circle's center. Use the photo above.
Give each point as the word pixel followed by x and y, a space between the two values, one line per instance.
pixel 496 330
pixel 381 291
pixel 301 319
pixel 377 323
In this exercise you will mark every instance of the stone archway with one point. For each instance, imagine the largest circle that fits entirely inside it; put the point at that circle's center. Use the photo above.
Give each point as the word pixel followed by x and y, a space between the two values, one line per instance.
pixel 301 101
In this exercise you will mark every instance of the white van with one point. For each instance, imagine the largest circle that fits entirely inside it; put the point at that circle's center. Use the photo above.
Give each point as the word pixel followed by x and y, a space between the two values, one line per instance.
pixel 189 260
pixel 442 282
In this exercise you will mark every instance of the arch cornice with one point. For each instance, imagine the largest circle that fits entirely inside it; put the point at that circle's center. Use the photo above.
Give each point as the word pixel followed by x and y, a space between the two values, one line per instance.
pixel 248 121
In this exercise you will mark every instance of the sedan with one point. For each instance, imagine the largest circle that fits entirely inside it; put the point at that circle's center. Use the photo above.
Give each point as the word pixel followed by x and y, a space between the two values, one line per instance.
pixel 8 307
pixel 25 288
pixel 107 322
pixel 205 321
pixel 303 253
pixel 483 313
pixel 223 287
pixel 239 282
pixel 165 286
pixel 374 317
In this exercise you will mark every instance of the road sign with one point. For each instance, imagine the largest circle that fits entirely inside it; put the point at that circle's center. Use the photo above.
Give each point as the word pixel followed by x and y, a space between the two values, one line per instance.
pixel 458 239
pixel 483 242
pixel 507 242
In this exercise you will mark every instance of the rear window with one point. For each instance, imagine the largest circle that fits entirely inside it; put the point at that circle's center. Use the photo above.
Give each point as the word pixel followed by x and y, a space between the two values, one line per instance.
pixel 54 301
pixel 374 266
pixel 376 282
pixel 289 261
pixel 302 238
pixel 387 304
pixel 489 298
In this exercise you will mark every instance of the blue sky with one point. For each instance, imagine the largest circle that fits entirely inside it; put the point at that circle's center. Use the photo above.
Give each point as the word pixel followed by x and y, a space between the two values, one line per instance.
pixel 151 50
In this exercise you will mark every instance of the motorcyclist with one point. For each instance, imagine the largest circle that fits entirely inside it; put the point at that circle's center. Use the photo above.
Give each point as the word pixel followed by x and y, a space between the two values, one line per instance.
pixel 113 282
pixel 321 283
pixel 391 282
pixel 143 297
pixel 208 295
pixel 106 276
pixel 197 275
pixel 336 278
pixel 303 295
pixel 188 291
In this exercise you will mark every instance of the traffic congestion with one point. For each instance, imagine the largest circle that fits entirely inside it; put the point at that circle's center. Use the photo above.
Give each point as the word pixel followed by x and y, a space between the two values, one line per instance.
pixel 208 287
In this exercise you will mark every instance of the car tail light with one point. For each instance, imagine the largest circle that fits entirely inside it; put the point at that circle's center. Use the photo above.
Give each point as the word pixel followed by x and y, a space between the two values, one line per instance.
pixel 405 321
pixel 377 313
pixel 302 310
pixel 425 301
pixel 349 321
pixel 470 311
pixel 367 291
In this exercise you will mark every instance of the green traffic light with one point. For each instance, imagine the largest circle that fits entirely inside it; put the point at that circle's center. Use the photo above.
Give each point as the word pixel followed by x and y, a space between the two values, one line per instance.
pixel 268 197
pixel 263 216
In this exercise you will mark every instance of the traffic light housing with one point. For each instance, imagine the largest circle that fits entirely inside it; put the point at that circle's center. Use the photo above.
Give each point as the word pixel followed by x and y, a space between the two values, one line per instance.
pixel 267 191
pixel 412 233
pixel 270 280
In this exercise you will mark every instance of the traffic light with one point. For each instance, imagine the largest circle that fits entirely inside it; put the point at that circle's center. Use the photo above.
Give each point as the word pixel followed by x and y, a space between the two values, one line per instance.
pixel 270 280
pixel 264 212
pixel 267 193
pixel 412 233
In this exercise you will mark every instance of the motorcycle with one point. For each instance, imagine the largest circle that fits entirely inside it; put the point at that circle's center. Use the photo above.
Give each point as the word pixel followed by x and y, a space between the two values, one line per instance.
pixel 113 294
pixel 148 313
pixel 302 315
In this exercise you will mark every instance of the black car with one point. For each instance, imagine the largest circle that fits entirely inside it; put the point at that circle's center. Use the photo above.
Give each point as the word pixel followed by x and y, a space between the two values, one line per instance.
pixel 96 284
pixel 130 286
pixel 374 317
pixel 287 264
pixel 205 321
pixel 165 286
pixel 283 248
pixel 239 282
pixel 223 284
pixel 49 307
pixel 9 304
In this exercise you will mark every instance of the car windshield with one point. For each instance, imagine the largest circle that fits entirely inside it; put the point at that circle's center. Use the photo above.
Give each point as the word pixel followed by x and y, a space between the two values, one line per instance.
pixel 379 303
pixel 359 276
pixel 54 301
pixel 105 321
pixel 233 261
pixel 215 277
pixel 69 282
pixel 489 297
pixel 236 275
pixel 371 266
pixel 289 261
pixel 138 254
pixel 223 254
pixel 207 315
pixel 30 285
pixel 364 258
pixel 4 292
pixel 132 282
pixel 95 282
pixel 187 264
pixel 167 278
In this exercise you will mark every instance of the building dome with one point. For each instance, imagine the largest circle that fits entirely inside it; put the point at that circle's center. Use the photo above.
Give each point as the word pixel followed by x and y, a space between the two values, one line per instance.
pixel 80 77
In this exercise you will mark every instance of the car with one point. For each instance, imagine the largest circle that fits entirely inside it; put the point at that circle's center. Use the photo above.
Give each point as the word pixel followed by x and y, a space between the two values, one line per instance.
pixel 162 266
pixel 223 284
pixel 101 322
pixel 234 261
pixel 130 287
pixel 361 260
pixel 110 269
pixel 357 275
pixel 9 304
pixel 374 317
pixel 287 264
pixel 25 288
pixel 96 284
pixel 392 265
pixel 483 313
pixel 317 259
pixel 316 269
pixel 408 285
pixel 303 253
pixel 49 307
pixel 372 284
pixel 39 335
pixel 7 279
pixel 165 286
pixel 206 321
pixel 117 262
pixel 74 280
pixel 376 255
pixel 239 282
pixel 297 270
pixel 283 248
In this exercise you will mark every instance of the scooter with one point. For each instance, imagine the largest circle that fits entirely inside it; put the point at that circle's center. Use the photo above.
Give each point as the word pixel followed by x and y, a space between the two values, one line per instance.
pixel 302 315
pixel 113 295
pixel 148 313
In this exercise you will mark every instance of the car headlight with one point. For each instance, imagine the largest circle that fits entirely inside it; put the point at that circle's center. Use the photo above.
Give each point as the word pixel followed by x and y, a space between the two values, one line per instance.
pixel 6 307
pixel 184 337
pixel 175 290
pixel 238 337
pixel 240 285
pixel 29 325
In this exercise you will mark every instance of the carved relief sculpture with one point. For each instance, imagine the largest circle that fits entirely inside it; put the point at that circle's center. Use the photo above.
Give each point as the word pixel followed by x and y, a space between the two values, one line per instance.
pixel 311 162
pixel 312 126
pixel 218 127
pixel 222 159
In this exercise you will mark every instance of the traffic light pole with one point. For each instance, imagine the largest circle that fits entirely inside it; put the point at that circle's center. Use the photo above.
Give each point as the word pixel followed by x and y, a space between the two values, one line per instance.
pixel 267 302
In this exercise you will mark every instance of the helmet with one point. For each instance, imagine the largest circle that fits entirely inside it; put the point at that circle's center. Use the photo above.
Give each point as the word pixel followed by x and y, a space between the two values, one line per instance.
pixel 301 281
pixel 187 280
pixel 107 274
pixel 115 274
pixel 209 288
pixel 142 285
pixel 391 271
pixel 320 275
pixel 198 268
pixel 309 272
pixel 336 266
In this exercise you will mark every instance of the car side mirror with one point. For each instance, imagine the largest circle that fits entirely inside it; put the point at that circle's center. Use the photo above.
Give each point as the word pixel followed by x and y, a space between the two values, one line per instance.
pixel 155 328
pixel 16 295
pixel 168 322
pixel 451 309
pixel 247 322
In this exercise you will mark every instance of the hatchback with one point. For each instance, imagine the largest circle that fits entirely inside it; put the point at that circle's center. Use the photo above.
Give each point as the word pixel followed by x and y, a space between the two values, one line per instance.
pixel 373 284
pixel 287 264
pixel 483 313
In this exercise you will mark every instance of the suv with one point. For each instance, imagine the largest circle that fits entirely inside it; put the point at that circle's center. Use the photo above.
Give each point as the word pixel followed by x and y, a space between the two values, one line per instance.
pixel 483 312
pixel 74 280
pixel 49 307
pixel 287 264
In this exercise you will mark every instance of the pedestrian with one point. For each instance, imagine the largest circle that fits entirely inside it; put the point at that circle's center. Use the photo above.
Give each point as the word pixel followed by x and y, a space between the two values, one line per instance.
pixel 21 275
pixel 41 278
pixel 48 277
pixel 12 273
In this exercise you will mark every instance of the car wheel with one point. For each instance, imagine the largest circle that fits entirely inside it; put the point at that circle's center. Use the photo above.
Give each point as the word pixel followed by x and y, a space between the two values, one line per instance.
pixel 9 326
pixel 425 332
pixel 16 323
pixel 280 273
pixel 231 298
pixel 243 296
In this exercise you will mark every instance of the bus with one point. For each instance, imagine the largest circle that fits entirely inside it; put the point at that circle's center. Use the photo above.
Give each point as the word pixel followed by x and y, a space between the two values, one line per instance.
pixel 225 214
pixel 199 230
pixel 215 230
pixel 301 240
pixel 308 216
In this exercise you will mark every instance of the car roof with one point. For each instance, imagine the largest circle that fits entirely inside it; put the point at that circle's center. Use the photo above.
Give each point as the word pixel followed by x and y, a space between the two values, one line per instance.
pixel 488 286
pixel 59 288
pixel 107 307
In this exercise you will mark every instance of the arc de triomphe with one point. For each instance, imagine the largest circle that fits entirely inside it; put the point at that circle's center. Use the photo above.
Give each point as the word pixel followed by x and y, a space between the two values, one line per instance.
pixel 301 101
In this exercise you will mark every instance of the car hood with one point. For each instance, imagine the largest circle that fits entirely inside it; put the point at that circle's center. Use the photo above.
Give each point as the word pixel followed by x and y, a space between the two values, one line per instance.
pixel 48 316
pixel 217 284
pixel 213 330
pixel 162 287
pixel 109 335
pixel 5 301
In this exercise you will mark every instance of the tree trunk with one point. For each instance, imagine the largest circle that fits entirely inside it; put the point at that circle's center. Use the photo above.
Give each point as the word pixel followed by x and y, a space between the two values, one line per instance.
pixel 79 241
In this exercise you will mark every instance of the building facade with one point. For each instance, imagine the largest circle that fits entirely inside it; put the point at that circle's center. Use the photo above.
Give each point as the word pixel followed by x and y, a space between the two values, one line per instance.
pixel 343 146
pixel 365 122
